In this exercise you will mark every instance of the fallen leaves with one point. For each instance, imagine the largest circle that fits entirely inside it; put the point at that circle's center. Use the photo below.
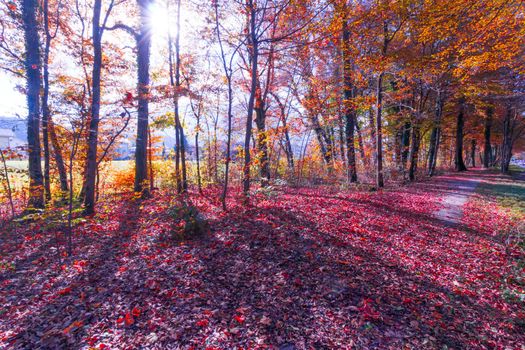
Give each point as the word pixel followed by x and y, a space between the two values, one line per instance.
pixel 310 267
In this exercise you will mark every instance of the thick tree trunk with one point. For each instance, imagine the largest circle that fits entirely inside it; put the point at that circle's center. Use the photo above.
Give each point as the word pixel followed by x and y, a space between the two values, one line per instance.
pixel 143 58
pixel 32 67
pixel 414 151
pixel 91 156
pixel 379 132
pixel 487 149
pixel 460 122
pixel 506 146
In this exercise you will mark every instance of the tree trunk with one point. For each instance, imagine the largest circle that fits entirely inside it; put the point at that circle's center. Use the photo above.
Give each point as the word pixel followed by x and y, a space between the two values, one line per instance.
pixel 460 122
pixel 473 153
pixel 435 136
pixel 379 132
pixel 262 140
pixel 59 159
pixel 143 58
pixel 253 50
pixel 506 146
pixel 91 156
pixel 487 149
pixel 349 110
pixel 45 103
pixel 365 160
pixel 32 67
pixel 414 151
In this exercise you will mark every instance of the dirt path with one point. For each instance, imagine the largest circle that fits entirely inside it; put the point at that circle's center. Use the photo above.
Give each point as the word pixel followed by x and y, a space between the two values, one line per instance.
pixel 458 189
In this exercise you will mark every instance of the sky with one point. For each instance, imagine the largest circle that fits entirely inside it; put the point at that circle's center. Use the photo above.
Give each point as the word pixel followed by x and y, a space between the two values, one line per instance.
pixel 12 102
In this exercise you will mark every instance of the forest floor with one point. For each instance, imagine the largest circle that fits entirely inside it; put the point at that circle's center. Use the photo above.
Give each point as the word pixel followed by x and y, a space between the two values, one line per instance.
pixel 431 265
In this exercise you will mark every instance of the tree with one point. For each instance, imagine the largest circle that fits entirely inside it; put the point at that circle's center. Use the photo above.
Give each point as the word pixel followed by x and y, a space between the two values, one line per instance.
pixel 32 67
pixel 91 153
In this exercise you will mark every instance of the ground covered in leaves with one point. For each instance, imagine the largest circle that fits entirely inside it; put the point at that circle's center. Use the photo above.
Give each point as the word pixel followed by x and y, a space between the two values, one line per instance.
pixel 307 268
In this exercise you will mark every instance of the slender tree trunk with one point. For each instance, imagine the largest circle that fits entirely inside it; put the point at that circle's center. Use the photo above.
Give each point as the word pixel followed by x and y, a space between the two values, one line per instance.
pixel 435 136
pixel 379 132
pixel 45 103
pixel 473 153
pixel 150 160
pixel 373 138
pixel 197 156
pixel 262 140
pixel 8 184
pixel 349 110
pixel 32 66
pixel 460 122
pixel 91 156
pixel 176 114
pixel 487 148
pixel 365 160
pixel 253 48
pixel 143 58
pixel 59 159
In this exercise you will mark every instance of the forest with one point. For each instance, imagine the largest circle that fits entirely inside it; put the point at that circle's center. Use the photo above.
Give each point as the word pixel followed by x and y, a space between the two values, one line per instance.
pixel 262 174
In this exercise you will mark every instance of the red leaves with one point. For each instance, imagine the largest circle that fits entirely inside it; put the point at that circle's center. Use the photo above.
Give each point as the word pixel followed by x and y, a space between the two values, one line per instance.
pixel 64 291
pixel 239 319
pixel 129 98
pixel 129 318
pixel 202 323
pixel 135 312
pixel 368 313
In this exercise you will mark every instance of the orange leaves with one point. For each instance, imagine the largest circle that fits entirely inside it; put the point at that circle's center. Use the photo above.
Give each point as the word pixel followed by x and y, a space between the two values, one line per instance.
pixel 73 326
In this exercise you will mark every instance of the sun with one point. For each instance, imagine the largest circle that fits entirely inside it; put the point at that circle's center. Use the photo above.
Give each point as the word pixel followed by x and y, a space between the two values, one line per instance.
pixel 160 21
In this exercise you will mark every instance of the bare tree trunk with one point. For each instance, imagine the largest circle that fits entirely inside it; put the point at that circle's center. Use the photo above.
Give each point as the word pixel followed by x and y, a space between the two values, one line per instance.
pixel 143 58
pixel 252 42
pixel 458 160
pixel 8 185
pixel 176 114
pixel 435 136
pixel 487 149
pixel 379 132
pixel 414 151
pixel 32 66
pixel 365 160
pixel 506 146
pixel 45 103
pixel 473 153
pixel 349 110
pixel 177 117
pixel 59 159
pixel 91 156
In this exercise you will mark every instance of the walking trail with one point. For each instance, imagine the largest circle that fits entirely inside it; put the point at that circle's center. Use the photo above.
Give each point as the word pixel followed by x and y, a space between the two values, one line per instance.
pixel 457 188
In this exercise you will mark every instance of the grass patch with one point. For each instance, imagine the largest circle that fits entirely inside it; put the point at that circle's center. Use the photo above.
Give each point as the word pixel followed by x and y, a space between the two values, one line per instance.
pixel 509 192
